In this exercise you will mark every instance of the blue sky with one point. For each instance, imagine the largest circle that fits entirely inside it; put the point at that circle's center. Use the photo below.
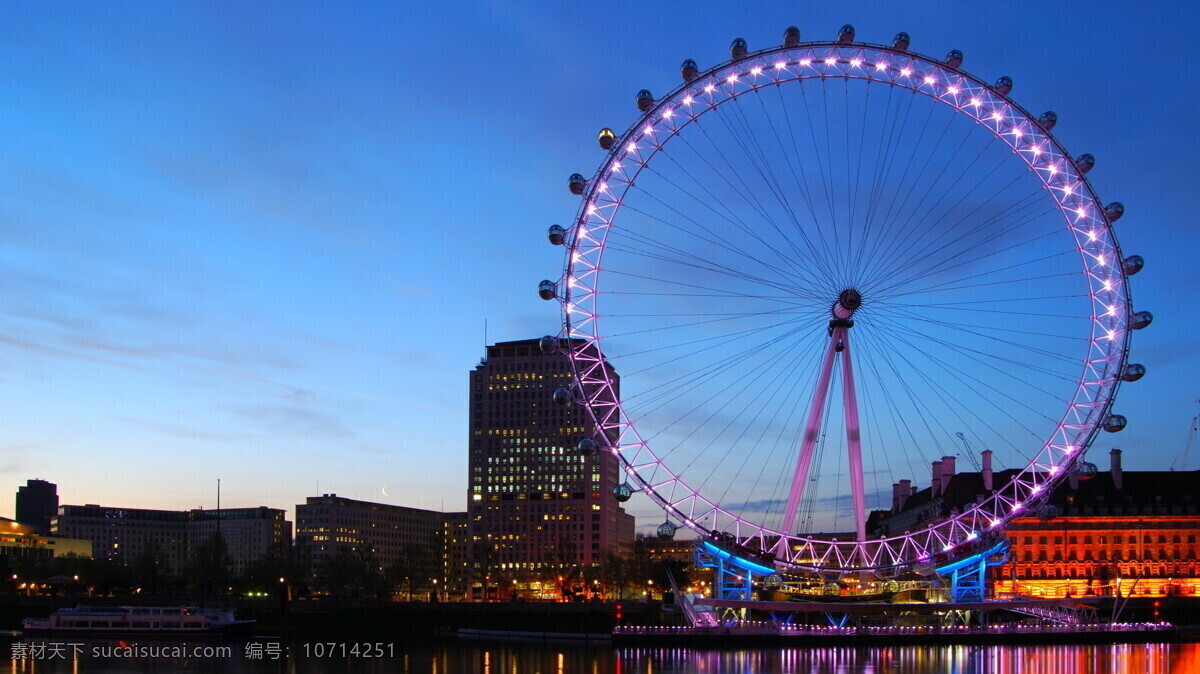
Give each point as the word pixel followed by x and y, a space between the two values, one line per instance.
pixel 259 242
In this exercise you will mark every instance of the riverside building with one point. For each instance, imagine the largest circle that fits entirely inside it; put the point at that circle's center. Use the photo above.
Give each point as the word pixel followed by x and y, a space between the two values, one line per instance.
pixel 538 506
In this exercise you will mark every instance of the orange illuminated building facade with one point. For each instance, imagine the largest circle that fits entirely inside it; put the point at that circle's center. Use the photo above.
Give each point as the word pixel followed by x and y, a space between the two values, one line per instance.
pixel 1117 532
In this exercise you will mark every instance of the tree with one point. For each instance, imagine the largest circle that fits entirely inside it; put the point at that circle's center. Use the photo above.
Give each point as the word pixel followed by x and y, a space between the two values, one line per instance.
pixel 483 562
pixel 208 568
pixel 413 568
pixel 150 568
pixel 350 572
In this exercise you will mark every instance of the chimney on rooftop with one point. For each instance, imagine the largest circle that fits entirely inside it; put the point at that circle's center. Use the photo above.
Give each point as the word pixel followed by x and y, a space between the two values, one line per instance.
pixel 906 490
pixel 947 471
pixel 895 497
pixel 936 481
pixel 1114 466
pixel 987 469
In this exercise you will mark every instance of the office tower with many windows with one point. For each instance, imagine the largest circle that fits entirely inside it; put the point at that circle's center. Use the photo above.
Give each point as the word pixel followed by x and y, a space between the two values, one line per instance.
pixel 538 507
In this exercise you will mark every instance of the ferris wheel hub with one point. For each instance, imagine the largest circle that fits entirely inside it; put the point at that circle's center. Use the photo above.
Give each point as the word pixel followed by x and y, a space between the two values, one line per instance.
pixel 848 301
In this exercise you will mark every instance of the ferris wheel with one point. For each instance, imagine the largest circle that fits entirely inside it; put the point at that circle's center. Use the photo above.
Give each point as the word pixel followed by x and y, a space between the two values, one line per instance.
pixel 800 274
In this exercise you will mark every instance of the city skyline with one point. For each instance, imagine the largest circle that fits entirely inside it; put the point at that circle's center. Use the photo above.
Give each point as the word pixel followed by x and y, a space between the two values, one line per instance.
pixel 240 243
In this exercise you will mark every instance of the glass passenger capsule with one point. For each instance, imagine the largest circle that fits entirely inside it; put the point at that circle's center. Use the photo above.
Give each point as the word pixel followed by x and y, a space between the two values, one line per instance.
pixel 738 49
pixel 666 531
pixel 587 447
pixel 791 36
pixel 954 58
pixel 1133 372
pixel 1133 264
pixel 622 492
pixel 688 70
pixel 1114 423
pixel 576 183
pixel 548 345
pixel 1003 85
pixel 562 396
pixel 606 138
pixel 901 41
pixel 1141 319
pixel 1048 120
pixel 547 289
pixel 1114 211
pixel 846 34
pixel 556 234
pixel 1085 162
pixel 645 100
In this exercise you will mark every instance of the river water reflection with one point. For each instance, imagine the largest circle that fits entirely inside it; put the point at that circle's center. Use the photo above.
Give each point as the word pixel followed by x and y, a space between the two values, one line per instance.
pixel 47 655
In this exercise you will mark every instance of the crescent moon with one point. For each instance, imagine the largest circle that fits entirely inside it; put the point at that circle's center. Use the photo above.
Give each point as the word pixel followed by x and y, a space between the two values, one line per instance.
pixel 384 490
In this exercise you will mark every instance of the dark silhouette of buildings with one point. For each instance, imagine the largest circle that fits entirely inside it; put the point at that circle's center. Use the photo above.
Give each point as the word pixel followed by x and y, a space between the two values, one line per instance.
pixel 37 504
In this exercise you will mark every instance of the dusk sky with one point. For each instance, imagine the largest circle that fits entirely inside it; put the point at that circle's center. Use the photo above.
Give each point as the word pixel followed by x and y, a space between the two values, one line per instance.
pixel 259 241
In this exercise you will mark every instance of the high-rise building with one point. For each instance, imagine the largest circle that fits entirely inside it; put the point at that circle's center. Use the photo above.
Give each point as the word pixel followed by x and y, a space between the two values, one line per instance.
pixel 537 506
pixel 330 524
pixel 37 503
pixel 121 535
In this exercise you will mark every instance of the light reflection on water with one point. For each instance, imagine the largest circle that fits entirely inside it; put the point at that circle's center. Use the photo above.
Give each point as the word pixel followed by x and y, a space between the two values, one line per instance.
pixel 497 658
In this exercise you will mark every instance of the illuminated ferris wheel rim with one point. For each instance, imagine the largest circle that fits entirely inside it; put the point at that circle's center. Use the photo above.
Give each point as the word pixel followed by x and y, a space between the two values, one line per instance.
pixel 663 119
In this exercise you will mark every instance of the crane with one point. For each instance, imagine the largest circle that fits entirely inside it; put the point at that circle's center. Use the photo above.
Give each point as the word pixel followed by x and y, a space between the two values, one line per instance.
pixel 1191 440
pixel 970 452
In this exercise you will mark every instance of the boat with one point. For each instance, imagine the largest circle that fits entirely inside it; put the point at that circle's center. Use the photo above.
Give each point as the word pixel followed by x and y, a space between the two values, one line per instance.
pixel 171 620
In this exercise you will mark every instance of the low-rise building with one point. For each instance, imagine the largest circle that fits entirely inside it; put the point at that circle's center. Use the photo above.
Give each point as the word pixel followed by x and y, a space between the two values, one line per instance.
pixel 22 540
pixel 1097 533
pixel 329 525
pixel 122 535
pixel 250 534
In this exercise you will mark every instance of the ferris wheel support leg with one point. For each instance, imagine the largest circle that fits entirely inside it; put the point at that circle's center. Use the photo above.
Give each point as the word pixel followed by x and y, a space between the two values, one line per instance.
pixel 853 438
pixel 812 432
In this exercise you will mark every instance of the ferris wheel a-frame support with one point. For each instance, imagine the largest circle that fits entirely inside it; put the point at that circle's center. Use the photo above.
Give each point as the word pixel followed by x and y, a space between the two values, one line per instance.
pixel 839 345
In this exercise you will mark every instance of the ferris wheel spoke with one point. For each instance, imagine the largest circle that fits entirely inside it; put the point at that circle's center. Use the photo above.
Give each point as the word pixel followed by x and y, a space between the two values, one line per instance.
pixel 663 253
pixel 887 350
pixel 888 217
pixel 796 170
pixel 785 113
pixel 891 293
pixel 979 240
pixel 673 345
pixel 913 236
pixel 765 394
pixel 959 325
pixel 698 373
pixel 742 189
pixel 716 240
pixel 717 292
pixel 769 179
pixel 885 162
pixel 890 324
pixel 978 356
pixel 719 208
pixel 928 262
pixel 703 376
